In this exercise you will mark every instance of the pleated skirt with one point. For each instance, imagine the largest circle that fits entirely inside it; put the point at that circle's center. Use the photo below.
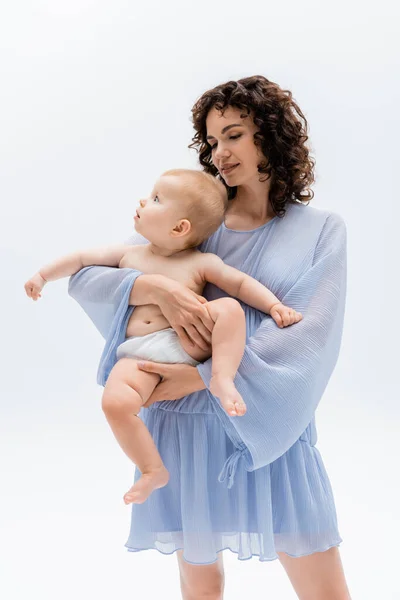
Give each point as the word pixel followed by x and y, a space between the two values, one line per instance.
pixel 286 506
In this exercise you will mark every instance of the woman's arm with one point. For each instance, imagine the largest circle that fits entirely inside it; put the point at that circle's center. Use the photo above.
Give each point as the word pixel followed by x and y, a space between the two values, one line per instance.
pixel 284 372
pixel 98 290
pixel 178 381
pixel 102 292
pixel 106 294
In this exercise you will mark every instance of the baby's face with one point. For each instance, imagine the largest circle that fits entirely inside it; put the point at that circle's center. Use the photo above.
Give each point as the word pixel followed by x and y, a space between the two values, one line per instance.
pixel 158 214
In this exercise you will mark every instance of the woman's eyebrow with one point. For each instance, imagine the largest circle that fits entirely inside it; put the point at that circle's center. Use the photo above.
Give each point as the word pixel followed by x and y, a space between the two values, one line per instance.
pixel 224 130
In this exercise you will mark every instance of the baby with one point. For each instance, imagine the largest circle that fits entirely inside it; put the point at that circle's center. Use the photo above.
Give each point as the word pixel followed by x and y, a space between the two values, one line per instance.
pixel 184 209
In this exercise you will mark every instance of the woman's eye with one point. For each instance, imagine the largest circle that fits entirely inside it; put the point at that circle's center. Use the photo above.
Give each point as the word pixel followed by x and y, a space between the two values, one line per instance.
pixel 232 137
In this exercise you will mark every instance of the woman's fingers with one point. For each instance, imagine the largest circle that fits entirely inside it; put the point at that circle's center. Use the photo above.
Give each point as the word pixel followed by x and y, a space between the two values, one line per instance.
pixel 183 336
pixel 188 340
pixel 200 298
pixel 153 367
pixel 187 314
pixel 204 316
pixel 151 400
pixel 159 395
pixel 204 332
pixel 196 338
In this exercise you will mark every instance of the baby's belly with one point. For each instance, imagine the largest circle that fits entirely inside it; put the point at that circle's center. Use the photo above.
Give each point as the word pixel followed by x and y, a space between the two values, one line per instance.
pixel 146 319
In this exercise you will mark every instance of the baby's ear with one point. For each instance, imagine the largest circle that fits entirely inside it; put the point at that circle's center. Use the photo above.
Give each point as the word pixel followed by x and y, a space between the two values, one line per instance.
pixel 183 227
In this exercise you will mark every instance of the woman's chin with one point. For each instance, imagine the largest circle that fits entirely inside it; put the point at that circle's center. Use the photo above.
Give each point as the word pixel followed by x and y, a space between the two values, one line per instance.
pixel 237 177
pixel 233 180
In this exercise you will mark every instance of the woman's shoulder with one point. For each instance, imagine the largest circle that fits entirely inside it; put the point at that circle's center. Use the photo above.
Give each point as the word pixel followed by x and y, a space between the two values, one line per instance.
pixel 306 227
pixel 312 215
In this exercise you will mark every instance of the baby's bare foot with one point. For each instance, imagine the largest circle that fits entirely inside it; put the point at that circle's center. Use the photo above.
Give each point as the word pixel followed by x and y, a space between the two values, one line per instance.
pixel 150 481
pixel 230 398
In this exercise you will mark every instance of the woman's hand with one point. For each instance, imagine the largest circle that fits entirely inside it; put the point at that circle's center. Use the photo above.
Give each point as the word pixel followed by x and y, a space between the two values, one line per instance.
pixel 186 312
pixel 177 381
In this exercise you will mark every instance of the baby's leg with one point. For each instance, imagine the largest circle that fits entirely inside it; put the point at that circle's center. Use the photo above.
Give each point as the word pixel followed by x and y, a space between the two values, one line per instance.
pixel 228 343
pixel 126 390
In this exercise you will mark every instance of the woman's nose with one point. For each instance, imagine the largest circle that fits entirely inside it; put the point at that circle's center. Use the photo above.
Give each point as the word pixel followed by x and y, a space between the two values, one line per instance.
pixel 221 152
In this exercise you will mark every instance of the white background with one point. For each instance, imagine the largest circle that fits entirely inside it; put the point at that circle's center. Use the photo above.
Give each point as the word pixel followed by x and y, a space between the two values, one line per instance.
pixel 95 103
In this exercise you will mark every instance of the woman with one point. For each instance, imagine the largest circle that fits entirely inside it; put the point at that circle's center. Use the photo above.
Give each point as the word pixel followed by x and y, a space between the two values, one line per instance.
pixel 254 484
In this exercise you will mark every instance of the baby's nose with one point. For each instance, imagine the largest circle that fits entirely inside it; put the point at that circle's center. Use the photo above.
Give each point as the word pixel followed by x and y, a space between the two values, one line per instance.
pixel 142 203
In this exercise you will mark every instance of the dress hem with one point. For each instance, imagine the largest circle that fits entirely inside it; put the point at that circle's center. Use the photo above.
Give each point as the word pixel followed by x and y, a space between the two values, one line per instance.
pixel 321 549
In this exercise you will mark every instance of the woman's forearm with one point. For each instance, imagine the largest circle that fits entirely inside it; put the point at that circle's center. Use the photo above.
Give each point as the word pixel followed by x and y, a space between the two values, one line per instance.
pixel 148 289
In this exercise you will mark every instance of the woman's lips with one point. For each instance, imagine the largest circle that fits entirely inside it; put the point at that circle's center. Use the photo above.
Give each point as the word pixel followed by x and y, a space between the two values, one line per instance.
pixel 227 170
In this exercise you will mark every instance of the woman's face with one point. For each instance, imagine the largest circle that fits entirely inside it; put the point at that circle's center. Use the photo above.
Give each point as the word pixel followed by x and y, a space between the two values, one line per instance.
pixel 233 150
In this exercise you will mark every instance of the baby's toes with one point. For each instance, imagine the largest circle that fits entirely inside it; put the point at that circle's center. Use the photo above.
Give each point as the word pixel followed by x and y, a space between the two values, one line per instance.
pixel 230 408
pixel 241 409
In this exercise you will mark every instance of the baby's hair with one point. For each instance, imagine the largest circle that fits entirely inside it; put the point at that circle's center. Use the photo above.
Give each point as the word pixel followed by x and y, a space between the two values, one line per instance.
pixel 207 201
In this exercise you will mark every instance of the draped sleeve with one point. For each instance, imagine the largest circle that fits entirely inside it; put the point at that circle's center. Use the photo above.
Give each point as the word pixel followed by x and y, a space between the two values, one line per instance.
pixel 103 293
pixel 284 372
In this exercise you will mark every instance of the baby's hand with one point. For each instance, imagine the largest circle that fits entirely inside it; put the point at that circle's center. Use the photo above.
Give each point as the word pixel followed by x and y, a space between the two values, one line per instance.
pixel 34 286
pixel 284 316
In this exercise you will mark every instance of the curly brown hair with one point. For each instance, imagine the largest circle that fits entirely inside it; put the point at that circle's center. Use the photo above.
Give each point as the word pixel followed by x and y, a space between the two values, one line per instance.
pixel 281 136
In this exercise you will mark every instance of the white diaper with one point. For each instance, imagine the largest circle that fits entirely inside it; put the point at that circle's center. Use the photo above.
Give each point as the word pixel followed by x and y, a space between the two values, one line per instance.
pixel 161 346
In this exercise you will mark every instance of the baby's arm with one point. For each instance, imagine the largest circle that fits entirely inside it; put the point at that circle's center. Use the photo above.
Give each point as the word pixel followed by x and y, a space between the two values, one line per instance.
pixel 247 289
pixel 108 256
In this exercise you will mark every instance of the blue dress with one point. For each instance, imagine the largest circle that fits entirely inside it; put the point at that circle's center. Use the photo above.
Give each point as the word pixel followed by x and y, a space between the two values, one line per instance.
pixel 254 484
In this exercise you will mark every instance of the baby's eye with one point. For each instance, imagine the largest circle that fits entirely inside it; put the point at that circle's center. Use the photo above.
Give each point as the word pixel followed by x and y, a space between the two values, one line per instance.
pixel 156 199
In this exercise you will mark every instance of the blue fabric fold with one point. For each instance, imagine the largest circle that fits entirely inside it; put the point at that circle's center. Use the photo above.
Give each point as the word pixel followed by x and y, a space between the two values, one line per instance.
pixel 284 372
pixel 103 293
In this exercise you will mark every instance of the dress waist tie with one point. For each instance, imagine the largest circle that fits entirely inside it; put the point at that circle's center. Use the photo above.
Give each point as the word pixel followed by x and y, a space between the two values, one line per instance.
pixel 229 469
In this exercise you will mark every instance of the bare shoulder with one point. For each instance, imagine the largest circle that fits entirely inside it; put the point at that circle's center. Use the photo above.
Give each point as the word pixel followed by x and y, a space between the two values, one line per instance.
pixel 209 259
pixel 130 253
pixel 136 249
pixel 207 265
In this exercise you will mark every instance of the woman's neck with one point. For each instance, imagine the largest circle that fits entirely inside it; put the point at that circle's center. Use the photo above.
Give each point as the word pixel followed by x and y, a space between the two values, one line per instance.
pixel 252 202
